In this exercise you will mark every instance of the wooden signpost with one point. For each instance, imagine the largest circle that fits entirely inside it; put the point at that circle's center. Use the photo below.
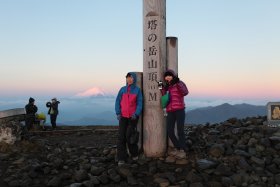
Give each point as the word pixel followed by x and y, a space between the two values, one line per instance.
pixel 154 64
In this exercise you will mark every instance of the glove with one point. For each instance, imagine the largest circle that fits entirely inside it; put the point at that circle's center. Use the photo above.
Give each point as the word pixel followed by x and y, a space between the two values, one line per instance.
pixel 160 85
pixel 133 117
pixel 119 117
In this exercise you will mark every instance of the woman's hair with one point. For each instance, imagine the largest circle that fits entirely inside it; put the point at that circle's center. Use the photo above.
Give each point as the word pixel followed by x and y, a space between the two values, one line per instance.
pixel 175 80
pixel 173 74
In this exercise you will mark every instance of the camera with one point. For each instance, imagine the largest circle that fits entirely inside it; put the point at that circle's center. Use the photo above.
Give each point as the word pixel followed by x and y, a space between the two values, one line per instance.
pixel 160 85
pixel 48 104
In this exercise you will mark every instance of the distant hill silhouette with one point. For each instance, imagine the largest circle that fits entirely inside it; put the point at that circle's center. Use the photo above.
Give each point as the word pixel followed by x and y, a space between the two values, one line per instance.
pixel 223 112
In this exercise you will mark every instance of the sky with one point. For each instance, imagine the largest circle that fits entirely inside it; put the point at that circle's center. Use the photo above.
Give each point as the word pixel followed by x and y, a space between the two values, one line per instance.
pixel 226 49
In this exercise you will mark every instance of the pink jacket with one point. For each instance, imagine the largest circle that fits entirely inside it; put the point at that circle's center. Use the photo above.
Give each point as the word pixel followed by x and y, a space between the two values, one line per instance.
pixel 177 93
pixel 177 90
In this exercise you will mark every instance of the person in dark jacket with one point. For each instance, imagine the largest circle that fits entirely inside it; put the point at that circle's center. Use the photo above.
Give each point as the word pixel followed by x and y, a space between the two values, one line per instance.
pixel 30 110
pixel 128 107
pixel 175 111
pixel 53 111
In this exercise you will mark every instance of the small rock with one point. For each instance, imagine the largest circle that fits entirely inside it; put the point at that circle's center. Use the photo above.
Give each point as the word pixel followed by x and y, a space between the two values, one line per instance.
pixel 47 170
pixel 273 169
pixel 161 182
pixel 131 180
pixel 205 164
pixel 88 183
pixel 55 181
pixel 178 170
pixel 277 146
pixel 216 150
pixel 258 161
pixel 265 142
pixel 237 179
pixel 260 148
pixel 182 161
pixel 152 169
pixel 226 181
pixel 242 153
pixel 223 170
pixel 115 177
pixel 276 161
pixel 213 132
pixel 214 184
pixel 124 172
pixel 80 175
pixel 197 184
pixel 14 183
pixel 252 141
pixel 244 164
pixel 96 170
pixel 170 176
pixel 76 185
pixel 193 178
pixel 170 159
pixel 94 180
pixel 103 179
pixel 275 139
pixel 68 150
pixel 277 179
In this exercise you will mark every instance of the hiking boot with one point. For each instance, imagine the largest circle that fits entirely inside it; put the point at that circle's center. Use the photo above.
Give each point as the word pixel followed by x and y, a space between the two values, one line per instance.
pixel 121 163
pixel 173 153
pixel 135 158
pixel 181 154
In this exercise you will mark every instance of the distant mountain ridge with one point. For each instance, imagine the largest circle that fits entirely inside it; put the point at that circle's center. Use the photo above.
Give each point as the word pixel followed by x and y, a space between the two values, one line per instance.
pixel 203 115
pixel 223 112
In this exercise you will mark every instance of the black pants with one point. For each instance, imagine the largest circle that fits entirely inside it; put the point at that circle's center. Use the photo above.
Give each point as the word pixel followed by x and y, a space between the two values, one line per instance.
pixel 179 117
pixel 29 121
pixel 126 126
pixel 53 120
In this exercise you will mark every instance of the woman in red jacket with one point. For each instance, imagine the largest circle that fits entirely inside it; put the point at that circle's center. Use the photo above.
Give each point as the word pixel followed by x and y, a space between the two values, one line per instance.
pixel 176 111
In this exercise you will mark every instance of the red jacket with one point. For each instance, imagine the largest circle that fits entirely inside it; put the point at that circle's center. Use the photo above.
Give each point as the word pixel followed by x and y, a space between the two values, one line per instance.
pixel 177 92
pixel 129 100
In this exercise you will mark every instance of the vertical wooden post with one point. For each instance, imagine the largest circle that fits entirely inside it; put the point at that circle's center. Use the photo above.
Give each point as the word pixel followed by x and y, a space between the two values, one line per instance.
pixel 139 83
pixel 172 53
pixel 172 63
pixel 154 64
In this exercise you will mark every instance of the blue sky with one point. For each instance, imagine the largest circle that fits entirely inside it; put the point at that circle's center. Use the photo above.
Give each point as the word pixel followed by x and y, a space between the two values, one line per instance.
pixel 227 49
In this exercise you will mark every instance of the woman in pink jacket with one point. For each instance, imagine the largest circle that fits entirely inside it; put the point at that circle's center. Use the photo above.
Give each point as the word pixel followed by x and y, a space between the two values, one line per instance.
pixel 176 111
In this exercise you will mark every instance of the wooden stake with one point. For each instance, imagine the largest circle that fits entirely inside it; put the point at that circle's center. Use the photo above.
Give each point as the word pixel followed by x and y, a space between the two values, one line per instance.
pixel 172 63
pixel 139 83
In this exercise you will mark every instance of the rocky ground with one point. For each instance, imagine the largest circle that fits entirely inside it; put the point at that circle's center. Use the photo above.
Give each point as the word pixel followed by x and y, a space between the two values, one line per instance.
pixel 233 153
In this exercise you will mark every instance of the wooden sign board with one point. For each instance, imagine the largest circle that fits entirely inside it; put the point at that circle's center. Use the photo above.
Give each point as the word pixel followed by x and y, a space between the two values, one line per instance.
pixel 273 114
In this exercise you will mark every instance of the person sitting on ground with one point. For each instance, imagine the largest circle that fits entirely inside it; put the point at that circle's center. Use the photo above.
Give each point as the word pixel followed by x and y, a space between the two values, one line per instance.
pixel 128 107
pixel 41 118
pixel 30 110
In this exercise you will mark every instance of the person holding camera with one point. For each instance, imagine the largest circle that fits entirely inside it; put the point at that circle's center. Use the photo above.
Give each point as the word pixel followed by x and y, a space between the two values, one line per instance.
pixel 175 111
pixel 128 107
pixel 53 111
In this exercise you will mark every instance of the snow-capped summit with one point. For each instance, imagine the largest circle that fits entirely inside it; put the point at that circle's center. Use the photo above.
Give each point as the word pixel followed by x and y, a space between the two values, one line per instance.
pixel 93 92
